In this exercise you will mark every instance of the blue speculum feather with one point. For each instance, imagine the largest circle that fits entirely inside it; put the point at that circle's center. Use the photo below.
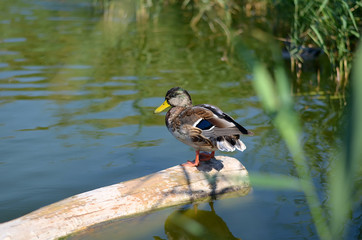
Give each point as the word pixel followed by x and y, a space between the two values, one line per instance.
pixel 204 125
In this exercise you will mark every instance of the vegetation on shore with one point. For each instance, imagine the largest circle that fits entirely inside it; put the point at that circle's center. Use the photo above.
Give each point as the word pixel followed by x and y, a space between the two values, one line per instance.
pixel 328 27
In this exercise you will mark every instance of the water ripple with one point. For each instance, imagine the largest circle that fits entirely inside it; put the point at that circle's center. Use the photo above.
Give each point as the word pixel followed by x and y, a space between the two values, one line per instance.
pixel 11 74
pixel 13 40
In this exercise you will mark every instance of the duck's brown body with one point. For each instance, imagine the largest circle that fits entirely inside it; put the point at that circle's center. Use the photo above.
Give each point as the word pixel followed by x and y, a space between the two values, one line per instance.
pixel 177 119
pixel 203 127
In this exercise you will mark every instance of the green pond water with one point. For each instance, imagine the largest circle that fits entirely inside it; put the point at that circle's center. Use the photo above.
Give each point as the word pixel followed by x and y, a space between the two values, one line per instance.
pixel 77 94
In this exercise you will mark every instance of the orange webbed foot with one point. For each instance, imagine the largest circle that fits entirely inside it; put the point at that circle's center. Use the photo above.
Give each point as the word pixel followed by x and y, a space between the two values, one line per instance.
pixel 190 164
pixel 193 164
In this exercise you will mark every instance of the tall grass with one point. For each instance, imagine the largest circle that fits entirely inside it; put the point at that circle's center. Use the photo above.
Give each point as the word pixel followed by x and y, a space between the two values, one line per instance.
pixel 274 91
pixel 333 26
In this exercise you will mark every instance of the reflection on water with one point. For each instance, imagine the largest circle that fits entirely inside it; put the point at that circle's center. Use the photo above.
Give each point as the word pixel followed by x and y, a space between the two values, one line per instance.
pixel 191 223
pixel 187 222
pixel 77 93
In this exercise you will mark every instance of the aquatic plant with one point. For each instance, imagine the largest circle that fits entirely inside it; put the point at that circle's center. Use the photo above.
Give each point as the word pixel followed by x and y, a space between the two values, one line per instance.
pixel 331 26
pixel 274 91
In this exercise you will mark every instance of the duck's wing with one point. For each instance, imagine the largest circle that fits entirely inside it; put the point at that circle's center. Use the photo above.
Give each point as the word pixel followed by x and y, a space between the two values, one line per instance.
pixel 197 137
pixel 220 123
pixel 207 123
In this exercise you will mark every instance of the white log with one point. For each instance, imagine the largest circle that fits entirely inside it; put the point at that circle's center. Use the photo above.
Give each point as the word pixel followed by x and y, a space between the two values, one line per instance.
pixel 169 187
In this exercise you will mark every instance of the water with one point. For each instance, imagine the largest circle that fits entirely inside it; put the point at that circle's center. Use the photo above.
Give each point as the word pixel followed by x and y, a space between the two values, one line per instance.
pixel 77 94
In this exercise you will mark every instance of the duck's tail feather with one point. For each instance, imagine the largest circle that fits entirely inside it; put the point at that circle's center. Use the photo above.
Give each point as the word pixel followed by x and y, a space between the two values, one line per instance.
pixel 229 144
pixel 240 145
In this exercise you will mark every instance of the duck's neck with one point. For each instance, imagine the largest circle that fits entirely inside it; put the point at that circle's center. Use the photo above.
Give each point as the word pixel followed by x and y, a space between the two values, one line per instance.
pixel 171 115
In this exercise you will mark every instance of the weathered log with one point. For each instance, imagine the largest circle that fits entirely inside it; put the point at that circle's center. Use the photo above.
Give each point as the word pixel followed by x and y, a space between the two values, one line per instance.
pixel 169 187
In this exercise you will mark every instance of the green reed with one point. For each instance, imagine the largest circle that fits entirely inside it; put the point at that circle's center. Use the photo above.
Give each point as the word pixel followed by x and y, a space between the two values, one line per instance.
pixel 274 91
pixel 332 26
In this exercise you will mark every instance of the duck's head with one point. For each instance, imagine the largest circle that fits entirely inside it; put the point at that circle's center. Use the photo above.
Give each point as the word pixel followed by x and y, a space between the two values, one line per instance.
pixel 175 97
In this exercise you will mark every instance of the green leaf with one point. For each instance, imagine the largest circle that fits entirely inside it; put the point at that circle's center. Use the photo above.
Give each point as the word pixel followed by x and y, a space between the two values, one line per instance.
pixel 273 181
pixel 320 39
pixel 264 86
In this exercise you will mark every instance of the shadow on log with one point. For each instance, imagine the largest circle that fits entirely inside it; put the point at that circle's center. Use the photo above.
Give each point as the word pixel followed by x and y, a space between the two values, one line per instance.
pixel 216 178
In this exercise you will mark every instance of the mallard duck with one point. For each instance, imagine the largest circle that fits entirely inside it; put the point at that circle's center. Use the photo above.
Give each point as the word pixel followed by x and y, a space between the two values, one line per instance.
pixel 203 127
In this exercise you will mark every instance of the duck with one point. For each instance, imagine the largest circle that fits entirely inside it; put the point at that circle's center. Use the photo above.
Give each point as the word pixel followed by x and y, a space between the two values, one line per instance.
pixel 204 127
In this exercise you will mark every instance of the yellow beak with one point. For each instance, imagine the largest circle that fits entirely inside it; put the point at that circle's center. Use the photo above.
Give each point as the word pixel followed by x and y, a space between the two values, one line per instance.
pixel 163 106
